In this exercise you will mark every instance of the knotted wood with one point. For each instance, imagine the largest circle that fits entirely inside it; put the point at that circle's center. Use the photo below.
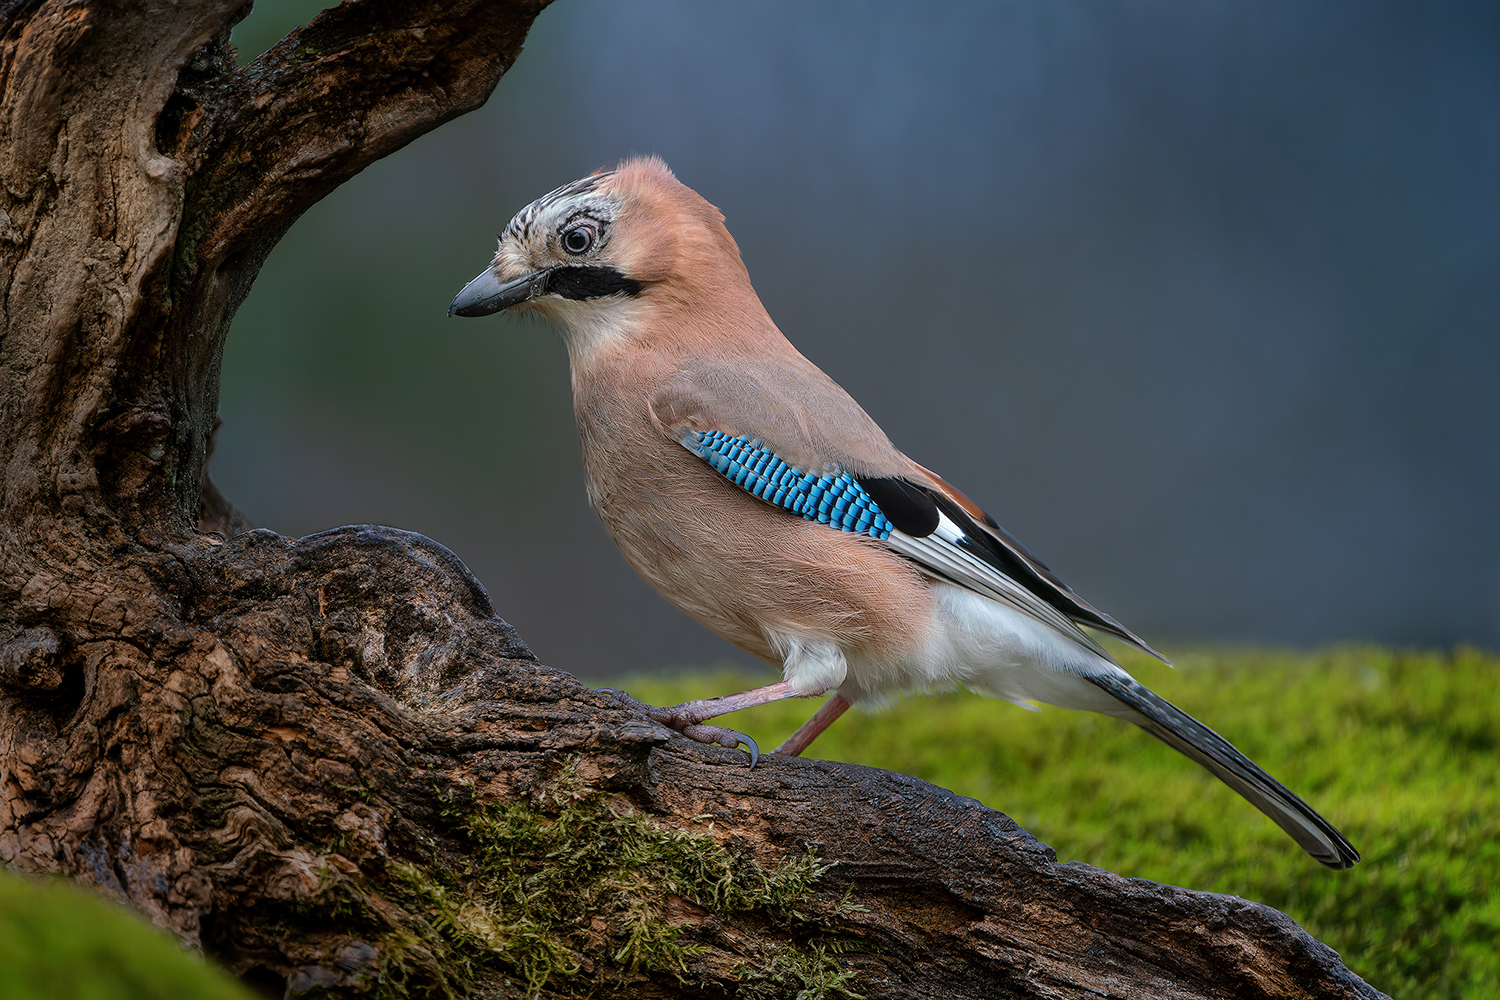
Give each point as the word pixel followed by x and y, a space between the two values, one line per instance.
pixel 324 761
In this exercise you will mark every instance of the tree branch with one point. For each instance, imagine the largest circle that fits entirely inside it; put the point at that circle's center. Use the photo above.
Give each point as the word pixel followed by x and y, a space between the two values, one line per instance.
pixel 360 81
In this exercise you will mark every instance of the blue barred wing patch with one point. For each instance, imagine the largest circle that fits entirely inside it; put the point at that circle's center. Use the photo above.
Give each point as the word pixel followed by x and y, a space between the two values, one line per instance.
pixel 836 500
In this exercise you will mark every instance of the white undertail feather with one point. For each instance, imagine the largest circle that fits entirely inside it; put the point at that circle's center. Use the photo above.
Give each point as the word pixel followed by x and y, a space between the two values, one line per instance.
pixel 988 647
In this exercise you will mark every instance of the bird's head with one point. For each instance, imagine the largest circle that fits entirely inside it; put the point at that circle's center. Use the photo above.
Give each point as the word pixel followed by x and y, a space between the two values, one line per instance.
pixel 597 254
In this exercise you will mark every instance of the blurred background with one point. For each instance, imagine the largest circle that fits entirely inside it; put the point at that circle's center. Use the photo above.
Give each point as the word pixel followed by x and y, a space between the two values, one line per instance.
pixel 1200 300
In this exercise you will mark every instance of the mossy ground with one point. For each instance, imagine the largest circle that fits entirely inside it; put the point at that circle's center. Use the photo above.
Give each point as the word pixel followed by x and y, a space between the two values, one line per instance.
pixel 1400 750
pixel 57 940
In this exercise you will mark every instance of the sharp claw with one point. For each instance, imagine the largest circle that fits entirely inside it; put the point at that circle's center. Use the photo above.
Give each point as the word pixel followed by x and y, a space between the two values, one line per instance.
pixel 722 737
pixel 732 738
pixel 754 750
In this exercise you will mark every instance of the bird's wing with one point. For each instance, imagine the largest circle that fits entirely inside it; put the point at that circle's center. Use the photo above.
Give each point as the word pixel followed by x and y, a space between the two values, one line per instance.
pixel 1014 559
pixel 786 433
pixel 784 401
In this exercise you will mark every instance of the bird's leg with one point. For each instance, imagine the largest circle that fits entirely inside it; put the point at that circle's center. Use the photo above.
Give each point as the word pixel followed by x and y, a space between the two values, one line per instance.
pixel 688 717
pixel 812 728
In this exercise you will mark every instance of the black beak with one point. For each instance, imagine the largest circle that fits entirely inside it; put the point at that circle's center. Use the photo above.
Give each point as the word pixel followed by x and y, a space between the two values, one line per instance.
pixel 486 294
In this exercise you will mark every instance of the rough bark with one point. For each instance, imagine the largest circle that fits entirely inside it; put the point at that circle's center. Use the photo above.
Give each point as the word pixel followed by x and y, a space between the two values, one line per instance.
pixel 326 761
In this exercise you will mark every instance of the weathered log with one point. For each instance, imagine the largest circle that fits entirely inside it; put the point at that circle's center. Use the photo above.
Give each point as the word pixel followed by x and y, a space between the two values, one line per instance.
pixel 288 772
pixel 325 761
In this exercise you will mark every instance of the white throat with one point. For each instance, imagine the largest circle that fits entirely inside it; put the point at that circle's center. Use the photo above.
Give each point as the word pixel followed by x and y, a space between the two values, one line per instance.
pixel 589 326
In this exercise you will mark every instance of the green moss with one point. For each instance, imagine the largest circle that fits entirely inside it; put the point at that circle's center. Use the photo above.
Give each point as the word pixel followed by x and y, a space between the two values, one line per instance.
pixel 578 888
pixel 812 973
pixel 60 941
pixel 1399 749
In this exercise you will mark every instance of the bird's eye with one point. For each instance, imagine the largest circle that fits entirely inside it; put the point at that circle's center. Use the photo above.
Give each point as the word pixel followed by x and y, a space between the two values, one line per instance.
pixel 577 241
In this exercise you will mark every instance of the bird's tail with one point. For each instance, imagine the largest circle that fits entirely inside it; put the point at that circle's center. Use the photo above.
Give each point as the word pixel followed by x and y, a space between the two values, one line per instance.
pixel 1193 739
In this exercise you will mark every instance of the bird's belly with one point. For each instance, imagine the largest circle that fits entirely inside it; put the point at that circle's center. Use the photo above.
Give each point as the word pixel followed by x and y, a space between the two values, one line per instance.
pixel 757 574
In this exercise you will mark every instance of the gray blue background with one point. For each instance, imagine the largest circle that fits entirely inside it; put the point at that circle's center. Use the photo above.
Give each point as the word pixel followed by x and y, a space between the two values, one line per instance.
pixel 1200 299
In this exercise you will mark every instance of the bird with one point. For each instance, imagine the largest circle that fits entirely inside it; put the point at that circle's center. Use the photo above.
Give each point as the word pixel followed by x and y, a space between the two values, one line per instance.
pixel 751 490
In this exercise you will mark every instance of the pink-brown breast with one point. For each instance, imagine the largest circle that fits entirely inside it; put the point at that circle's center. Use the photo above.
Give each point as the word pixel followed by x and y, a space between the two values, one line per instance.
pixel 742 567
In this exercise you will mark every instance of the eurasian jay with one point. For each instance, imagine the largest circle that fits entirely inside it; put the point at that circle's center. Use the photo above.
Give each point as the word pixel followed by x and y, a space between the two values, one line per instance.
pixel 749 489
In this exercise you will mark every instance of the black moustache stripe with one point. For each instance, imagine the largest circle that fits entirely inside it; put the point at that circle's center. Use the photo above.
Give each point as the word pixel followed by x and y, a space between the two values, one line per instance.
pixel 590 282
